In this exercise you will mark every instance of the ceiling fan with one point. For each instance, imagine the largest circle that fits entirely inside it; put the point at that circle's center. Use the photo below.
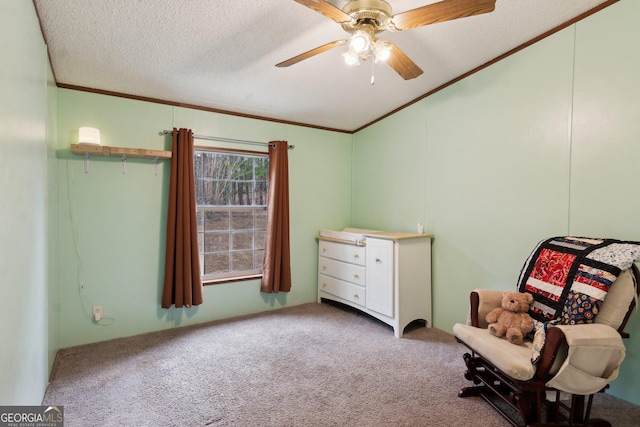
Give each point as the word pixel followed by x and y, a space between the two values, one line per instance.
pixel 364 19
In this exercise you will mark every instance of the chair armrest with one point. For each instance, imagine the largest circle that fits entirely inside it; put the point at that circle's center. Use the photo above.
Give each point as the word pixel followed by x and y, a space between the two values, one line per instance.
pixel 594 355
pixel 593 334
pixel 481 302
pixel 554 341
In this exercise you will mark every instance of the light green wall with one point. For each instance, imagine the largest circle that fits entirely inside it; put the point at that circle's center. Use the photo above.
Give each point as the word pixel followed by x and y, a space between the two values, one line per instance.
pixel 26 264
pixel 389 175
pixel 497 169
pixel 52 214
pixel 119 219
pixel 605 159
pixel 542 143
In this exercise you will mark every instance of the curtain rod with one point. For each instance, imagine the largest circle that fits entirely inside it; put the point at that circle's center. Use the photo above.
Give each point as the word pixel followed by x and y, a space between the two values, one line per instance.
pixel 235 141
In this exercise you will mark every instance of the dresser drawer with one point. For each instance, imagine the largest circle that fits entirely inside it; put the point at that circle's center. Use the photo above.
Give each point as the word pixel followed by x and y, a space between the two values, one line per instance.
pixel 342 270
pixel 342 289
pixel 342 252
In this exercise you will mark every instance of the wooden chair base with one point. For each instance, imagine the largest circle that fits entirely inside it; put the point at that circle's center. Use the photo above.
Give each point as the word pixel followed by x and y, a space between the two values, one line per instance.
pixel 523 402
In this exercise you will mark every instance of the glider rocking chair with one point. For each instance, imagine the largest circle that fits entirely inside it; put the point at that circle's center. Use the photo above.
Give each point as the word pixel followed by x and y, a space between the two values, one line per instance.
pixel 551 379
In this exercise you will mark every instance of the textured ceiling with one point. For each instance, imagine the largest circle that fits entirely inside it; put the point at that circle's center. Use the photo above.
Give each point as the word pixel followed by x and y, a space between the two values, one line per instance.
pixel 221 54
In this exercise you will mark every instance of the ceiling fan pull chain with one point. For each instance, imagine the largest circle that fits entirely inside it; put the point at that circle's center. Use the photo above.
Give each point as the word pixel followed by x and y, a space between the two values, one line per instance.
pixel 373 78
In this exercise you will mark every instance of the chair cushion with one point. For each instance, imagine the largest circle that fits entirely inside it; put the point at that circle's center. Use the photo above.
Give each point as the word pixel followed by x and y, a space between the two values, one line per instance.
pixel 622 292
pixel 514 360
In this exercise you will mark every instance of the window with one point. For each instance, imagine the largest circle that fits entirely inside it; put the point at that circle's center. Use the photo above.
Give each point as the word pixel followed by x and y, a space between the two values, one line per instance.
pixel 231 211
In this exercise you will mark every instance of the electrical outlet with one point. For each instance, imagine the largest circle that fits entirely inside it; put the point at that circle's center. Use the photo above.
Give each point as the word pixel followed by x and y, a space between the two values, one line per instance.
pixel 97 313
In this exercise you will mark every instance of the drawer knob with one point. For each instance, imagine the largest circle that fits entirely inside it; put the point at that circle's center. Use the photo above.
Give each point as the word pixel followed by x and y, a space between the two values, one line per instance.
pixel 324 267
pixel 378 261
pixel 356 276
pixel 356 256
pixel 356 296
pixel 324 249
pixel 324 284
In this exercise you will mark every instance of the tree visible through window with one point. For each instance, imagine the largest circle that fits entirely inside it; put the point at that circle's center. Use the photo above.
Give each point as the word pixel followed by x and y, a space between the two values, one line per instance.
pixel 231 210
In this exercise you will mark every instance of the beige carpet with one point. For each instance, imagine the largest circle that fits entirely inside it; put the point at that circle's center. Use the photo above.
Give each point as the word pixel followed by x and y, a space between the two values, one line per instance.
pixel 309 365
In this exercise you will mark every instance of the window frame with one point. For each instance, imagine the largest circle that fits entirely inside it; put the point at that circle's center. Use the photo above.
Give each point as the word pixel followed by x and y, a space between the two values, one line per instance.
pixel 209 280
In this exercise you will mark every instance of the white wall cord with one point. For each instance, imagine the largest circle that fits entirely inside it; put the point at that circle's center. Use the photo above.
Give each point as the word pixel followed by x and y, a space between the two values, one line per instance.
pixel 84 299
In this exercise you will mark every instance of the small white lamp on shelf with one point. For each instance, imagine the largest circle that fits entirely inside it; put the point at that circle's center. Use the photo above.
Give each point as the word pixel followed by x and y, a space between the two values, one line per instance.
pixel 87 135
pixel 91 136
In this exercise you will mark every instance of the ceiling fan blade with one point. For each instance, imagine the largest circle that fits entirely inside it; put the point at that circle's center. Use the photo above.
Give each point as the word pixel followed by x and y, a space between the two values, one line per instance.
pixel 402 64
pixel 326 9
pixel 445 10
pixel 311 53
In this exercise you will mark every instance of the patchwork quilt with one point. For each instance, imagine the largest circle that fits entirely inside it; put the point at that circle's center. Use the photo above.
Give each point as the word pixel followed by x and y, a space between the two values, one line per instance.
pixel 569 277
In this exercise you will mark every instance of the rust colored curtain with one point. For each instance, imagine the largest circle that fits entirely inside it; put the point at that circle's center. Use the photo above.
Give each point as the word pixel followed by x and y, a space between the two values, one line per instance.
pixel 182 282
pixel 276 274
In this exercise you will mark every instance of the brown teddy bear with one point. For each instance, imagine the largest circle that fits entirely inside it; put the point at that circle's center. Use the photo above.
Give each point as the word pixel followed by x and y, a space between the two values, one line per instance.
pixel 512 319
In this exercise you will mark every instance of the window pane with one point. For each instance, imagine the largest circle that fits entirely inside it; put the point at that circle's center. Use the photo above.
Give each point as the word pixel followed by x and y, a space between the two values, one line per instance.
pixel 261 219
pixel 197 164
pixel 258 258
pixel 260 239
pixel 243 168
pixel 216 193
pixel 262 169
pixel 200 221
pixel 216 263
pixel 242 220
pixel 216 242
pixel 260 193
pixel 215 220
pixel 242 240
pixel 241 193
pixel 242 261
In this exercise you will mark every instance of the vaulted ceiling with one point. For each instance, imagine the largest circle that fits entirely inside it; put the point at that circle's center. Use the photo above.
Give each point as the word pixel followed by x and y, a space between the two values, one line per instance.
pixel 221 54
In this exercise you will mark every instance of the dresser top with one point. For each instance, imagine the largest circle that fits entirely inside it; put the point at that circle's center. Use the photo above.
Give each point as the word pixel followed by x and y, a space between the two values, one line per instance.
pixel 397 235
pixel 347 235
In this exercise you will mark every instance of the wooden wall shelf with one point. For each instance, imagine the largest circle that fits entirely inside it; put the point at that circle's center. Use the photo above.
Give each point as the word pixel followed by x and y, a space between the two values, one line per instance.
pixel 106 151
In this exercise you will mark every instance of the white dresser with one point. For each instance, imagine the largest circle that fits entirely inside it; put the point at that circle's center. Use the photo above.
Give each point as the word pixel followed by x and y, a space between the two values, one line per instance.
pixel 384 274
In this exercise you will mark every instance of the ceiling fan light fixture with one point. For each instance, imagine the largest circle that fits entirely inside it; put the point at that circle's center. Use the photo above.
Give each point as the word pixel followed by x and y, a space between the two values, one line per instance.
pixel 360 42
pixel 381 50
pixel 351 58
